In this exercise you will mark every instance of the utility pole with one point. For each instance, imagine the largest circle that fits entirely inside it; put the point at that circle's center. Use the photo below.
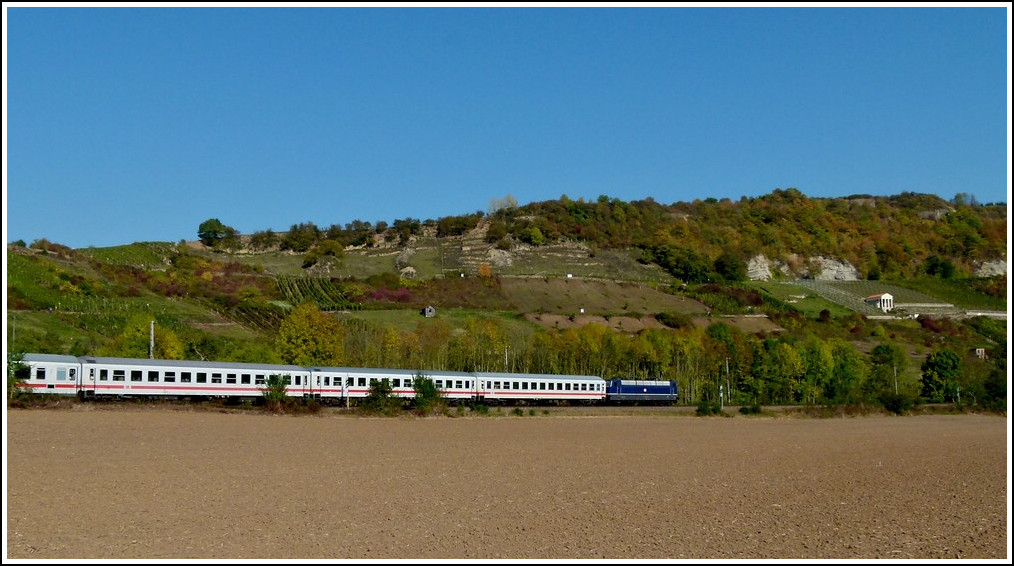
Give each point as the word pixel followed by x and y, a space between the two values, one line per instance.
pixel 151 342
pixel 895 378
pixel 727 388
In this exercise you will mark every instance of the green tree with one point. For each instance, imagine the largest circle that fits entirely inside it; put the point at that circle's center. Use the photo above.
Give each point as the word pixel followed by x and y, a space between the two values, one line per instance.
pixel 263 240
pixel 275 391
pixel 300 237
pixel 940 374
pixel 211 231
pixel 427 397
pixel 887 362
pixel 381 399
pixel 818 365
pixel 849 373
pixel 995 386
pixel 730 267
pixel 18 373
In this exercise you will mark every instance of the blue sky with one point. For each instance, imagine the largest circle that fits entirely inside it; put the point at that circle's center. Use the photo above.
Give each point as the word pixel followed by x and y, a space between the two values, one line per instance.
pixel 137 124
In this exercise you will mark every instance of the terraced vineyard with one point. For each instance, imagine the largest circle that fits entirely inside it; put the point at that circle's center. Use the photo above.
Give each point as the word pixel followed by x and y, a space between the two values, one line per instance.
pixel 325 293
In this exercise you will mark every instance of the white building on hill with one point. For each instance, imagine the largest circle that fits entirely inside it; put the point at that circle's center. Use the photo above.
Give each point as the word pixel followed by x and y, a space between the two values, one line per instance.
pixel 883 301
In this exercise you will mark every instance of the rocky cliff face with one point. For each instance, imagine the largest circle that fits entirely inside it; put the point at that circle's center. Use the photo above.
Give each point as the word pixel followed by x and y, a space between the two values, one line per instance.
pixel 819 268
pixel 758 268
pixel 991 269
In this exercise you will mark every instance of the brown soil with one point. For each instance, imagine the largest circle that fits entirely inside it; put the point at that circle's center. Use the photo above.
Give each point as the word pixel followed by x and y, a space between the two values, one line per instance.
pixel 91 482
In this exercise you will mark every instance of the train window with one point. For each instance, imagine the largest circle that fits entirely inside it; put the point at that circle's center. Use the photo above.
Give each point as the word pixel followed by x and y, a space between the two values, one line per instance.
pixel 408 382
pixel 103 374
pixel 542 385
pixel 245 379
pixel 202 377
pixel 350 381
pixel 73 372
pixel 170 376
pixel 327 380
pixel 517 385
pixel 362 382
pixel 119 374
pixel 567 386
pixel 184 377
pixel 152 376
pixel 288 380
pixel 135 375
pixel 259 379
pixel 440 384
pixel 61 374
pixel 584 387
pixel 299 380
pixel 496 385
pixel 216 378
pixel 458 384
pixel 397 382
pixel 230 378
pixel 40 373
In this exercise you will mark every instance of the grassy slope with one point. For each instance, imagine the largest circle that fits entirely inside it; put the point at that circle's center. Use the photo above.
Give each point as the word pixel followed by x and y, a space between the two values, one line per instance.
pixel 534 282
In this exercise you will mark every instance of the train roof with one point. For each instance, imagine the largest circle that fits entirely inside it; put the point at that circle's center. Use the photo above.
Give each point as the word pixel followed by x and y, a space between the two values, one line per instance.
pixel 188 364
pixel 368 371
pixel 390 371
pixel 504 375
pixel 50 358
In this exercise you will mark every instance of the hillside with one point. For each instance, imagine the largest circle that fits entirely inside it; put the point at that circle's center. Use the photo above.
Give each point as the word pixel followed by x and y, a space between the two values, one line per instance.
pixel 688 291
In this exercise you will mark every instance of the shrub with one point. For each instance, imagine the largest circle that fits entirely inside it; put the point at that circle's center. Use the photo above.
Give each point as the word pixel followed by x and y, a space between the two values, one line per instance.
pixel 707 407
pixel 897 403
pixel 274 392
pixel 675 320
pixel 380 399
pixel 427 397
pixel 754 409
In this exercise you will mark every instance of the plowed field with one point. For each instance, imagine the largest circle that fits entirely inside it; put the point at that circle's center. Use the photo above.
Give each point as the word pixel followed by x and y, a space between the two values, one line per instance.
pixel 97 483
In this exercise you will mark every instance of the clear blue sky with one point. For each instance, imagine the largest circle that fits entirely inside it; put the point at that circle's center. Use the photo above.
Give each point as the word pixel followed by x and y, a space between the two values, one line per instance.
pixel 137 124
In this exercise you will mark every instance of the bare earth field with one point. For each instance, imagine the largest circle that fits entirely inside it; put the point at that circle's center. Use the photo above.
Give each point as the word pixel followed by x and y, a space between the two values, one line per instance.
pixel 96 483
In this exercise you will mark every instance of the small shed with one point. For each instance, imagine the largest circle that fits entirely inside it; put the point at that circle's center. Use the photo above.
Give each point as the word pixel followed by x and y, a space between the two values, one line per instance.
pixel 883 301
pixel 429 312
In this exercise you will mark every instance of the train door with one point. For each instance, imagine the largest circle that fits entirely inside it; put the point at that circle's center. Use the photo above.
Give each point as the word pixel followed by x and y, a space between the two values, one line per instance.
pixel 88 380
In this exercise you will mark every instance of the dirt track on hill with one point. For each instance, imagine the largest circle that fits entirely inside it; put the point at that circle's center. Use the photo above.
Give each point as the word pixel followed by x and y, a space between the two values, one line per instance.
pixel 100 483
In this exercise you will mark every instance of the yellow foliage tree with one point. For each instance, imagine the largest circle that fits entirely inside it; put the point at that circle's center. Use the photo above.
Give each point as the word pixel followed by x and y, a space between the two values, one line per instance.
pixel 309 337
pixel 135 341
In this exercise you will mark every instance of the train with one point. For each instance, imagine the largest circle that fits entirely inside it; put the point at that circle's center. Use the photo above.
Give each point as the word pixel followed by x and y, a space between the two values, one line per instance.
pixel 93 377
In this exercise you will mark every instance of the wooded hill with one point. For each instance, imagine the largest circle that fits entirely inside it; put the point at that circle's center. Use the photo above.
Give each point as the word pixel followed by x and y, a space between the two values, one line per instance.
pixel 618 289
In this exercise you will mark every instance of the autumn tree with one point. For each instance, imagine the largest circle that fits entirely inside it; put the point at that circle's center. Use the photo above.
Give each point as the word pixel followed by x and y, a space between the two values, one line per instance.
pixel 308 337
pixel 135 341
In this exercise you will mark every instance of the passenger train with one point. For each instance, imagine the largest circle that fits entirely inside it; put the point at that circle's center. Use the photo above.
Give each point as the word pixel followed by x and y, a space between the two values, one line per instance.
pixel 98 377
